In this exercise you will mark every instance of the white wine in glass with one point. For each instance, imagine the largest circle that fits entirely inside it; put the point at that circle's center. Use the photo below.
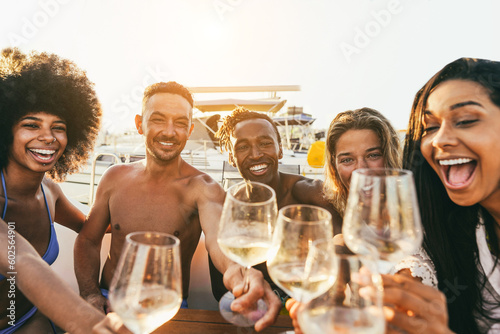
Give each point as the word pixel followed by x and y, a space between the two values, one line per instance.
pixel 382 217
pixel 352 305
pixel 289 265
pixel 245 232
pixel 146 290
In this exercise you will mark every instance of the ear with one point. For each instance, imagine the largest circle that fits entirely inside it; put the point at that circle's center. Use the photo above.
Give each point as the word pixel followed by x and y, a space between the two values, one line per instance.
pixel 231 160
pixel 138 124
pixel 280 154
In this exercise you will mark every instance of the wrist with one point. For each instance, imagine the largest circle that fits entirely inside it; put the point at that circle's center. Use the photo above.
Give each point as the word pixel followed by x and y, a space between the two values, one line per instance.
pixel 233 276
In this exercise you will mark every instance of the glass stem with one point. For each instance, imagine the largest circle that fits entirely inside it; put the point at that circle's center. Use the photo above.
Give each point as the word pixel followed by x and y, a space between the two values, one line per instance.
pixel 246 280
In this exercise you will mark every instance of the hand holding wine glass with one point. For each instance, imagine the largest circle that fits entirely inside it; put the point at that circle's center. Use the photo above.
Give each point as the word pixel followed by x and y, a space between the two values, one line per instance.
pixel 382 216
pixel 146 290
pixel 245 232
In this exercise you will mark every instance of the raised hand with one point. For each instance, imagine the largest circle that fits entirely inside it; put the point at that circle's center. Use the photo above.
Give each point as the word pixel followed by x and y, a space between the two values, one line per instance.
pixel 415 307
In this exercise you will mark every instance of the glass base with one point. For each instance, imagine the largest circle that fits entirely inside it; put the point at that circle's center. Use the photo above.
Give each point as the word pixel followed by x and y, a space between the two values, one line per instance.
pixel 247 318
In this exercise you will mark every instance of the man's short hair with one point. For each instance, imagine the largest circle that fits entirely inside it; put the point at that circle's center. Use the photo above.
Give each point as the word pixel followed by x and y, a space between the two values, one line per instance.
pixel 238 115
pixel 170 87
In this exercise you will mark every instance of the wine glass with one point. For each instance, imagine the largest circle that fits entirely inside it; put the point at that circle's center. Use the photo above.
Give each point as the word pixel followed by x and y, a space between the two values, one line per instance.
pixel 245 232
pixel 290 264
pixel 146 290
pixel 352 305
pixel 382 216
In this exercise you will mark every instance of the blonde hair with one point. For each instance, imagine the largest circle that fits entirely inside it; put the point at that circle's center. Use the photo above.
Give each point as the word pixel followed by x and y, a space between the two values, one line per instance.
pixel 359 119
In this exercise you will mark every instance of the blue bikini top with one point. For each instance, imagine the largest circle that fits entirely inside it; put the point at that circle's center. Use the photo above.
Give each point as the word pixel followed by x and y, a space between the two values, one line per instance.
pixel 53 249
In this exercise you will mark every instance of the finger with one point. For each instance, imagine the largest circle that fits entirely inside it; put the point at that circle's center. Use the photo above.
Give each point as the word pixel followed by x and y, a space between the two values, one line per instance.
pixel 389 329
pixel 273 309
pixel 248 298
pixel 410 300
pixel 296 327
pixel 410 284
pixel 289 303
pixel 294 315
pixel 294 310
pixel 238 290
pixel 409 324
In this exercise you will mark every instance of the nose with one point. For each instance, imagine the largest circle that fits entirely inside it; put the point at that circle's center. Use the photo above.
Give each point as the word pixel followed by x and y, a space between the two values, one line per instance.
pixel 255 152
pixel 361 163
pixel 444 137
pixel 46 135
pixel 169 129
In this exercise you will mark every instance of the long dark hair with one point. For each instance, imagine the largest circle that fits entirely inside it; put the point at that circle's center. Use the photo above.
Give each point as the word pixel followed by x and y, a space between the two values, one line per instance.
pixel 450 238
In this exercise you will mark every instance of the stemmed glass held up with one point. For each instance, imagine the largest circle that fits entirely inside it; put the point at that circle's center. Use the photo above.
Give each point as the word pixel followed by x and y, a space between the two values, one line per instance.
pixel 382 216
pixel 245 232
pixel 352 305
pixel 292 266
pixel 146 290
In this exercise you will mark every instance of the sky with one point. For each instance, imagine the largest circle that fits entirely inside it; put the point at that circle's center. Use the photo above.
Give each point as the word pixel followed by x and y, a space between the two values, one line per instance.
pixel 344 54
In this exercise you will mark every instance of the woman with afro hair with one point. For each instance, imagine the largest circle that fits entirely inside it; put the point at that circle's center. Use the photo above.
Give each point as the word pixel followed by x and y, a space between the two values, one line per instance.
pixel 50 117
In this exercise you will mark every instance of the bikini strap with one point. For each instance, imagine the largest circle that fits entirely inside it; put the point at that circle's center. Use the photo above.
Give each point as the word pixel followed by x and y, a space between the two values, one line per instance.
pixel 5 195
pixel 46 204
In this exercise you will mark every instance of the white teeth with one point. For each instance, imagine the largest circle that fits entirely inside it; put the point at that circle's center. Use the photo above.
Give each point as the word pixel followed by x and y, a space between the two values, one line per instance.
pixel 42 151
pixel 454 161
pixel 258 167
pixel 166 144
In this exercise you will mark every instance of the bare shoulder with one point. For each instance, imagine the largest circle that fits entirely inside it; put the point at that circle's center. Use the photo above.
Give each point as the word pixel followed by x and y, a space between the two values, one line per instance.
pixel 203 186
pixel 47 183
pixel 52 187
pixel 308 190
pixel 119 173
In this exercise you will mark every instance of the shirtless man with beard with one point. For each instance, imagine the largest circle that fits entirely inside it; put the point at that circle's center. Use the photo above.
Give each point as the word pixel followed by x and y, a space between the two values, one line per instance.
pixel 162 193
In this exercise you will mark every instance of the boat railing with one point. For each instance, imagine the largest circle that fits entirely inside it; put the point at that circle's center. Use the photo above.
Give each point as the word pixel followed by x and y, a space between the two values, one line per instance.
pixel 92 172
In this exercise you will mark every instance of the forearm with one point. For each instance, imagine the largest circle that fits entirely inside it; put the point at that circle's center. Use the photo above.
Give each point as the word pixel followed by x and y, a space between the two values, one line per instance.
pixel 87 265
pixel 54 297
pixel 233 272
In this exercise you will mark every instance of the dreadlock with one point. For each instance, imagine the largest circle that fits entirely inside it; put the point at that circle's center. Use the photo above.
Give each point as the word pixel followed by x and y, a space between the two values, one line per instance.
pixel 239 114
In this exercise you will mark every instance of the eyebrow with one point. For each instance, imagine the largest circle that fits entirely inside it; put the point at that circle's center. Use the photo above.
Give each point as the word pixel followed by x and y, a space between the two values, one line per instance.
pixel 33 118
pixel 258 138
pixel 160 114
pixel 157 113
pixel 463 104
pixel 457 105
pixel 371 149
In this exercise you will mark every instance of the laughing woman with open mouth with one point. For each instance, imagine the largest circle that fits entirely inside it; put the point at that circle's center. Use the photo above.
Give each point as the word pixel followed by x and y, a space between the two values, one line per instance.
pixel 50 118
pixel 453 149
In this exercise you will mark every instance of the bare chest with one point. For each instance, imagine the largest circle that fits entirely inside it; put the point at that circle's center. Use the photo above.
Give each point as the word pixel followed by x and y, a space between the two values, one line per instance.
pixel 159 210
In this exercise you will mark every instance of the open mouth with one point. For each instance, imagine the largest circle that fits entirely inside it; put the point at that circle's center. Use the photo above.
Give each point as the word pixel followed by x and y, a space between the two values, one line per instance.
pixel 458 172
pixel 167 144
pixel 259 169
pixel 42 155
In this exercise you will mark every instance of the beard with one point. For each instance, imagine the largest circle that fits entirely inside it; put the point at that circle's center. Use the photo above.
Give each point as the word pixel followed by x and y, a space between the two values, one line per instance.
pixel 165 153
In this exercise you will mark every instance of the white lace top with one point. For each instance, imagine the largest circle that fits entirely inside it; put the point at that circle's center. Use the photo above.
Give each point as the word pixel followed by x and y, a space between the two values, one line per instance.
pixel 420 265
